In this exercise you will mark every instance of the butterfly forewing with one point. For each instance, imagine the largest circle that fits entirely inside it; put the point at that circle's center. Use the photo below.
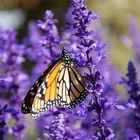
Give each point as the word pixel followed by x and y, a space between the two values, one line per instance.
pixel 28 101
pixel 29 98
pixel 46 96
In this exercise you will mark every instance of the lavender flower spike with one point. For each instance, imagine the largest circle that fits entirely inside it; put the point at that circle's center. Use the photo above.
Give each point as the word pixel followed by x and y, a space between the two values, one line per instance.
pixel 51 37
pixel 134 95
pixel 13 79
pixel 88 47
pixel 3 110
pixel 83 17
pixel 56 130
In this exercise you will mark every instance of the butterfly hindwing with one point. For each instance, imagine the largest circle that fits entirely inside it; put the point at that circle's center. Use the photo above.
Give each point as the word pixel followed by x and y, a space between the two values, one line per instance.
pixel 71 89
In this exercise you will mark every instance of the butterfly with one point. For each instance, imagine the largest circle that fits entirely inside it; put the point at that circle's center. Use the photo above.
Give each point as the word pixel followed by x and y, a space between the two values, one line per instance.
pixel 61 84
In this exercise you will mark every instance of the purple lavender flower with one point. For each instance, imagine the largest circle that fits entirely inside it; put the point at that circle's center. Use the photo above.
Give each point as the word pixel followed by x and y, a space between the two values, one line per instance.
pixel 88 51
pixel 32 41
pixel 43 43
pixel 2 122
pixel 63 126
pixel 132 39
pixel 51 38
pixel 3 110
pixel 134 97
pixel 56 130
pixel 14 80
pixel 90 55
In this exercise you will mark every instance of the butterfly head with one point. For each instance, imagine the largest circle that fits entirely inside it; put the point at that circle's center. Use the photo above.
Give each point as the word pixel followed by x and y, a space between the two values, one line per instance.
pixel 66 57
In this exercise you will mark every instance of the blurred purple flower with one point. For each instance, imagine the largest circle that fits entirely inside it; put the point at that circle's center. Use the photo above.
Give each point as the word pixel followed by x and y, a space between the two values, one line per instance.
pixel 134 97
pixel 134 32
pixel 12 58
pixel 13 78
pixel 3 110
pixel 63 126
pixel 132 39
pixel 2 122
pixel 32 41
pixel 51 38
pixel 56 130
pixel 43 43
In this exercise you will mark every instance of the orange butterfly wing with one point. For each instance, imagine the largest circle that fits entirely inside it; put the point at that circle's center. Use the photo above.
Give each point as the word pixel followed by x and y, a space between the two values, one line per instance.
pixel 46 96
pixel 29 99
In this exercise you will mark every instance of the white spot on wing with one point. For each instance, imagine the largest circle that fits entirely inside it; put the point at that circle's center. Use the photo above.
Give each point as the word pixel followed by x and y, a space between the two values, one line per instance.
pixel 44 88
pixel 42 103
pixel 39 95
pixel 68 98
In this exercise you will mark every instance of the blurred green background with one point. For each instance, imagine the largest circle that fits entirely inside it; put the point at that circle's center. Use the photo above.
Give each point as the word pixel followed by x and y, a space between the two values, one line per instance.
pixel 115 16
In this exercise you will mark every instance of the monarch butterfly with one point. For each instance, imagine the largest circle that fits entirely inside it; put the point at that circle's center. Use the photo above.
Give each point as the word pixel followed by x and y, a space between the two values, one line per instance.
pixel 61 84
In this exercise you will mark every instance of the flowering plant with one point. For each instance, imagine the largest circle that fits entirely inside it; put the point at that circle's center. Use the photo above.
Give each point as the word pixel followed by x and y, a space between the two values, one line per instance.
pixel 96 117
